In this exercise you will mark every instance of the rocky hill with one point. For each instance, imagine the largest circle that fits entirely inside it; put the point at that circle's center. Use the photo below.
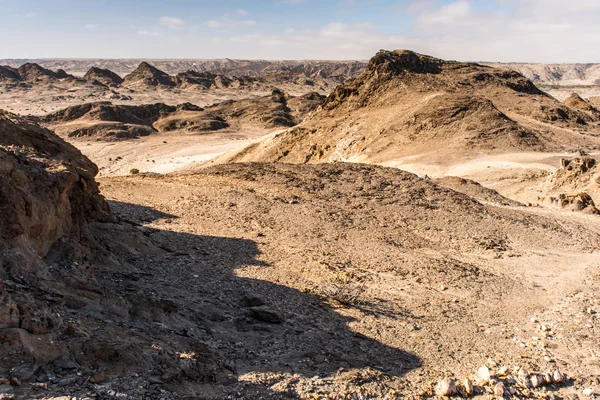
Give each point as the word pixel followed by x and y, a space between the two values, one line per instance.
pixel 107 121
pixel 146 75
pixel 103 77
pixel 410 105
pixel 9 74
pixel 31 73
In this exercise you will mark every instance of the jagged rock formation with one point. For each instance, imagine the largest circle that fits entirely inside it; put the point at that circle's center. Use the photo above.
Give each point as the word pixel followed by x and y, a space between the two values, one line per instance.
pixel 101 76
pixel 48 198
pixel 578 180
pixel 407 104
pixel 35 73
pixel 207 80
pixel 207 75
pixel 582 202
pixel 146 75
pixel 32 73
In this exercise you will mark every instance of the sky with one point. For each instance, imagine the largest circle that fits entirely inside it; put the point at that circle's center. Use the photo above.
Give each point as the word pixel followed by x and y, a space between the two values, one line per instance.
pixel 466 30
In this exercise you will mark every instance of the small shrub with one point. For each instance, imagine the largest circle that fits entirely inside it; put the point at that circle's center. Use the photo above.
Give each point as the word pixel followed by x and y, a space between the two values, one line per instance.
pixel 344 289
pixel 134 171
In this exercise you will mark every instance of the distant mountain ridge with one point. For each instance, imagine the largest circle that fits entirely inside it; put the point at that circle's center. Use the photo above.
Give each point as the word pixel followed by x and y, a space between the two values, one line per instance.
pixel 228 67
pixel 542 74
pixel 248 75
pixel 556 74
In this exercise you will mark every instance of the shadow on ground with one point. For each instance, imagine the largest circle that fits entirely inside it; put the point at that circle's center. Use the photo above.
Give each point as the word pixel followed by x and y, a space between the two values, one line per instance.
pixel 188 300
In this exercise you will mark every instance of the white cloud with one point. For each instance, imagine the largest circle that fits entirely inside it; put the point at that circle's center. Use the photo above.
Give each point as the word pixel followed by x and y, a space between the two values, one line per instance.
pixel 449 13
pixel 241 12
pixel 145 32
pixel 227 22
pixel 91 26
pixel 172 23
pixel 283 2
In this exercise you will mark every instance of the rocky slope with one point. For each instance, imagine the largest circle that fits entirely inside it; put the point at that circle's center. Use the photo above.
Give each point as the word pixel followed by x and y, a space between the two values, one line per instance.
pixel 276 110
pixel 48 200
pixel 61 251
pixel 410 105
pixel 101 76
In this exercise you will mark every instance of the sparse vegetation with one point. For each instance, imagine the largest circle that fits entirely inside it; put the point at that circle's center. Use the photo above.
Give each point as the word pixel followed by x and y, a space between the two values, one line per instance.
pixel 344 288
pixel 134 171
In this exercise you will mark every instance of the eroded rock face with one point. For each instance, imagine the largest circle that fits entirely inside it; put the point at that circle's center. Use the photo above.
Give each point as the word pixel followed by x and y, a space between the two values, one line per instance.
pixel 48 196
pixel 576 202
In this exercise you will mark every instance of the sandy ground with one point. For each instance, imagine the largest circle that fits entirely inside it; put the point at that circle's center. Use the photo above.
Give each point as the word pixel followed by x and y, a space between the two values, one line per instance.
pixel 162 153
pixel 480 166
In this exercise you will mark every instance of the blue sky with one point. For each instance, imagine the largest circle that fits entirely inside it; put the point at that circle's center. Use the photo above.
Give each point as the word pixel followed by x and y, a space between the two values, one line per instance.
pixel 493 30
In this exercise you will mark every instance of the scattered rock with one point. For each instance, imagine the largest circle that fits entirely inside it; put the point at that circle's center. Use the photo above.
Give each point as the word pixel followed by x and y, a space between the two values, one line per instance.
pixel 484 374
pixel 468 385
pixel 65 363
pixel 557 377
pixel 253 301
pixel 499 389
pixel 266 315
pixel 446 387
pixel 100 377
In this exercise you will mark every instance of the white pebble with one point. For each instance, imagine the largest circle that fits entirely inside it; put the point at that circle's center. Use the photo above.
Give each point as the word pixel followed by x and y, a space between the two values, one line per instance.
pixel 446 387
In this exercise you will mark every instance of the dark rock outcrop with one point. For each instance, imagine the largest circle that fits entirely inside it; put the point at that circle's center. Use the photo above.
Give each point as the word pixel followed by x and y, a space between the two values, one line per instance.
pixel 48 199
pixel 101 76
pixel 146 75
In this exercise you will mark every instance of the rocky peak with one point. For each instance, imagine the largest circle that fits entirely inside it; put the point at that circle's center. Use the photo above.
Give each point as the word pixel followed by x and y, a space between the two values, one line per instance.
pixel 102 76
pixel 398 61
pixel 148 75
